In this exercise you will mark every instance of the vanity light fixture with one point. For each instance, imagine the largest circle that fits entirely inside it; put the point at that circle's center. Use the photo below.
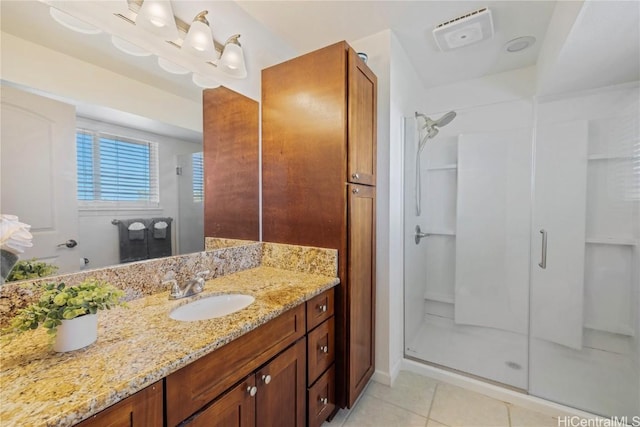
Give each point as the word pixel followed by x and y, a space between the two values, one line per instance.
pixel 199 40
pixel 204 82
pixel 171 67
pixel 128 47
pixel 157 17
pixel 72 23
pixel 232 58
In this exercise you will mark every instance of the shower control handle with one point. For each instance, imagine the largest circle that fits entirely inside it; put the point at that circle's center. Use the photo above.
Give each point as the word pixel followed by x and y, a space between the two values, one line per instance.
pixel 419 235
pixel 543 260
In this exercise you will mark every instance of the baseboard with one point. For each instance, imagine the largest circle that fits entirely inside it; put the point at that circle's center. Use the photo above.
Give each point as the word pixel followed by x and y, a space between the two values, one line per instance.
pixel 506 395
pixel 382 377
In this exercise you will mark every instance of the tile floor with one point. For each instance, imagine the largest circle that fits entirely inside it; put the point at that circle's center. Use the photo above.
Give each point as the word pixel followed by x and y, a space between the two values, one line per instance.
pixel 415 400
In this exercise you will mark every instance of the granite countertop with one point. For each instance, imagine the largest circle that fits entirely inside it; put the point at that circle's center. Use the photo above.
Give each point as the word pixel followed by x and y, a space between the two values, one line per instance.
pixel 136 347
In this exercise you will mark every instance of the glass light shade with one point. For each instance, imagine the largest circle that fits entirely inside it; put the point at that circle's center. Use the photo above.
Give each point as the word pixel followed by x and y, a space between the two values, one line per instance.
pixel 199 41
pixel 204 82
pixel 72 23
pixel 232 61
pixel 128 47
pixel 157 17
pixel 171 67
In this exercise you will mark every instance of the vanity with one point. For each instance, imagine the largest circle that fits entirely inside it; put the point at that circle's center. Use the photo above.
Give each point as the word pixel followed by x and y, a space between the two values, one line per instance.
pixel 271 363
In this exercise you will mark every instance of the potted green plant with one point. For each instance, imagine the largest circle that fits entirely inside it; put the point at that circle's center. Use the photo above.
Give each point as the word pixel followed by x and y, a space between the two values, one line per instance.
pixel 69 312
pixel 31 269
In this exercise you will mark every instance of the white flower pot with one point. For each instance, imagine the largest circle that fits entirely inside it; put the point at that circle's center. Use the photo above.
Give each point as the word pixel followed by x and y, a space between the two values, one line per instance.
pixel 76 333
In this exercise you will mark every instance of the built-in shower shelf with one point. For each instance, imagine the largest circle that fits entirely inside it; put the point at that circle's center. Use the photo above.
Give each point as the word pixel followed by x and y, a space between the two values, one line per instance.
pixel 619 330
pixel 433 296
pixel 608 157
pixel 452 166
pixel 625 241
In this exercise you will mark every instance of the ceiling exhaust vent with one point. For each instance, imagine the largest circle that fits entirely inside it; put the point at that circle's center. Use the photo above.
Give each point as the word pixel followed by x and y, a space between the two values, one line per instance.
pixel 464 30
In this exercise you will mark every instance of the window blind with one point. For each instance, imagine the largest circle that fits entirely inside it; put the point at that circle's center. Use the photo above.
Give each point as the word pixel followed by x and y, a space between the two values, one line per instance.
pixel 197 164
pixel 116 169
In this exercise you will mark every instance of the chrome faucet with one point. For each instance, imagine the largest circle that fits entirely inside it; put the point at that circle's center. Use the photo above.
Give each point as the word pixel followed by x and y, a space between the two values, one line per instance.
pixel 192 287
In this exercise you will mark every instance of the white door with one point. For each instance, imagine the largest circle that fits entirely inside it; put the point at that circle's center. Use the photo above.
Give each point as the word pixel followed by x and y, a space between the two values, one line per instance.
pixel 38 179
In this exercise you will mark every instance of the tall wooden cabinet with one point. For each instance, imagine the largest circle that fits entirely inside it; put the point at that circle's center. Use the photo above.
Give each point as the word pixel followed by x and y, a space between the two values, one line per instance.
pixel 319 166
pixel 231 165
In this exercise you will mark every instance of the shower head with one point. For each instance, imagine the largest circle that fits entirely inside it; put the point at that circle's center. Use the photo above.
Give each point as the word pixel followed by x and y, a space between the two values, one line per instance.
pixel 431 125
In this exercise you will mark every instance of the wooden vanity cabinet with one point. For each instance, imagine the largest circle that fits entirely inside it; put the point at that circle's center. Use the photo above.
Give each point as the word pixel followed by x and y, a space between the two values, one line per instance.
pixel 236 408
pixel 143 409
pixel 274 354
pixel 271 397
pixel 319 146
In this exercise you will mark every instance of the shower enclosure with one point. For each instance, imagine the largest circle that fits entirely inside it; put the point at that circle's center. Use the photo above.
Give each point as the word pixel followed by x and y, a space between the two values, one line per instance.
pixel 526 271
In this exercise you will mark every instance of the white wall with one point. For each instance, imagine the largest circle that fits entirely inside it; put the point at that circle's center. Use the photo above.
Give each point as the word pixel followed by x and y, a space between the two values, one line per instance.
pixel 34 66
pixel 97 237
pixel 399 94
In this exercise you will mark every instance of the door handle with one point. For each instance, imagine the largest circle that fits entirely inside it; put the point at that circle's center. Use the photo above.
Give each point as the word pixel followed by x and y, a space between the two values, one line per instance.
pixel 69 244
pixel 543 260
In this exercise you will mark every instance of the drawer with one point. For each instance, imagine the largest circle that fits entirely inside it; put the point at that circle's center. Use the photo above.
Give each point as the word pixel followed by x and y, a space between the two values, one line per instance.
pixel 321 398
pixel 319 309
pixel 320 349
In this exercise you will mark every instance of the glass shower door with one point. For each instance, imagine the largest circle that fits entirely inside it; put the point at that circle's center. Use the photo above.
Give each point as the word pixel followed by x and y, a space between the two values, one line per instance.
pixel 585 268
pixel 467 278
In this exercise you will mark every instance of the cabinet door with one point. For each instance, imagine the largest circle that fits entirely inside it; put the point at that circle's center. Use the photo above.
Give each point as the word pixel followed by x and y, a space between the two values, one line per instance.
pixel 362 124
pixel 281 400
pixel 237 408
pixel 143 409
pixel 361 287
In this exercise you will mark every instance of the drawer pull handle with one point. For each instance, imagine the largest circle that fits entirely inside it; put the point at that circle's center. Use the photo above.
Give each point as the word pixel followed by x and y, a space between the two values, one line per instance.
pixel 252 390
pixel 355 176
pixel 324 348
pixel 266 379
pixel 324 400
pixel 355 191
pixel 322 308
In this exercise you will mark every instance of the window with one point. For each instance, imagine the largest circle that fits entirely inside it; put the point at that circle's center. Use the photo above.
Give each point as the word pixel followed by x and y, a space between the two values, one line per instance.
pixel 198 177
pixel 116 170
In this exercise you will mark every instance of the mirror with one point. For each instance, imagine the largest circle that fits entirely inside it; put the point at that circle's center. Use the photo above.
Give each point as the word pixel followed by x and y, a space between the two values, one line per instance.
pixel 47 94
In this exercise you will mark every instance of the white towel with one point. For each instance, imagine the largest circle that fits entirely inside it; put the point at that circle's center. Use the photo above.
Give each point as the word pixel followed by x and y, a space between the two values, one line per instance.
pixel 160 225
pixel 135 226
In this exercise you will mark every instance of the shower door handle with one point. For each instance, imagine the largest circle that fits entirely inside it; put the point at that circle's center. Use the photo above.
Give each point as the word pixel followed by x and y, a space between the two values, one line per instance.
pixel 543 260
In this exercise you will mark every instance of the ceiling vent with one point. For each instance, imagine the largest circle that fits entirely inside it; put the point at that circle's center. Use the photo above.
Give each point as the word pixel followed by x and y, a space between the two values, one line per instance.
pixel 464 30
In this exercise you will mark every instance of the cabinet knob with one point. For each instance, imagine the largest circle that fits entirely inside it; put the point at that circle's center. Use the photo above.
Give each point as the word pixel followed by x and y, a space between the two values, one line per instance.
pixel 322 308
pixel 324 348
pixel 252 390
pixel 266 379
pixel 324 400
pixel 355 175
pixel 355 191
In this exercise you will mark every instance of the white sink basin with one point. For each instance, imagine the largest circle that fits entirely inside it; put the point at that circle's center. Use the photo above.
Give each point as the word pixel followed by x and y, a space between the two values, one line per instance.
pixel 211 307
